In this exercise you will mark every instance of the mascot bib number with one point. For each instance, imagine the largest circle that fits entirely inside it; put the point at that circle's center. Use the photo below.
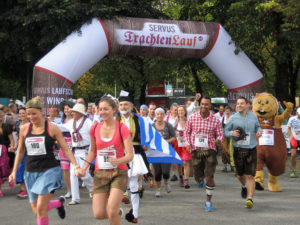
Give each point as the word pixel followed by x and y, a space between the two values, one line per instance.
pixel 103 156
pixel 267 137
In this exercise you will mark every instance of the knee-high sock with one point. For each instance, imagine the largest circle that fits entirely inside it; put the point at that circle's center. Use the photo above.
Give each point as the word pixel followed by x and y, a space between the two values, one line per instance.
pixel 54 204
pixel 135 198
pixel 43 221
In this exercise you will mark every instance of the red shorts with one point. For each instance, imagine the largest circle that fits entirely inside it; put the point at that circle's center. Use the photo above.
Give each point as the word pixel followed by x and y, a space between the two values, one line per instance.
pixel 294 143
pixel 182 152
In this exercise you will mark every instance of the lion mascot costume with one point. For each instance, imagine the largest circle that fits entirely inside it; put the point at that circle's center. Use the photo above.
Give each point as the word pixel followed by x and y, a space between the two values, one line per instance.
pixel 271 146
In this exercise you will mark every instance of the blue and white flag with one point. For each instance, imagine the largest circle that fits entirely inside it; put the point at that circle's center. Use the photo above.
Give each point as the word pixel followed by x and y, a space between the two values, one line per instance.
pixel 159 150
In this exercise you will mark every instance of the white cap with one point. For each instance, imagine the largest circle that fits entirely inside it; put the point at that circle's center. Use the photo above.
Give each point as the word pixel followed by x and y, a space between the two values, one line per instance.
pixel 80 108
pixel 298 110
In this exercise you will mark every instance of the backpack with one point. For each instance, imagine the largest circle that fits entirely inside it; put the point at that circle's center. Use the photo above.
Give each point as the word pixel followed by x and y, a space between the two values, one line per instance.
pixel 5 170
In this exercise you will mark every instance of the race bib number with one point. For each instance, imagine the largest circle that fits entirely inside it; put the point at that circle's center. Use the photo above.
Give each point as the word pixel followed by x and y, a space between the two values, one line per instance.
pixel 0 150
pixel 69 142
pixel 297 134
pixel 267 137
pixel 245 141
pixel 35 146
pixel 201 141
pixel 180 141
pixel 103 156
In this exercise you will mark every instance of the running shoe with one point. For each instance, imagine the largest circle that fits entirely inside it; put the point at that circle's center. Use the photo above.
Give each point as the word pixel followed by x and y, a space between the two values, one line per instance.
pixel 73 203
pixel 293 174
pixel 61 210
pixel 168 188
pixel 181 183
pixel 91 195
pixel 208 206
pixel 174 178
pixel 244 192
pixel 249 203
pixel 68 195
pixel 157 194
pixel 11 185
pixel 1 194
pixel 186 184
pixel 22 194
pixel 201 184
pixel 151 183
pixel 125 199
pixel 121 212
pixel 130 217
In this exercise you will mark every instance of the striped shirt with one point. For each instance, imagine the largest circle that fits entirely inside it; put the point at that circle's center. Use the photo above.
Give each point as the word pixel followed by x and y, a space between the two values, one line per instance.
pixel 294 123
pixel 196 125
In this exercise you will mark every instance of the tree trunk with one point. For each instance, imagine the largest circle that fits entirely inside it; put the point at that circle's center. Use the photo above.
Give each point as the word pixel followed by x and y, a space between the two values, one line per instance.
pixel 197 80
pixel 143 93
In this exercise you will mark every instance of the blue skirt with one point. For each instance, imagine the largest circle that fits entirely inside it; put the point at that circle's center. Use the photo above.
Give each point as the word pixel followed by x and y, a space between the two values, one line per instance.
pixel 42 183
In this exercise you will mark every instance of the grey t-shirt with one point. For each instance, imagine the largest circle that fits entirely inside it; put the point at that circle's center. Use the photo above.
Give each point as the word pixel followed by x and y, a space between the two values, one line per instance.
pixel 167 132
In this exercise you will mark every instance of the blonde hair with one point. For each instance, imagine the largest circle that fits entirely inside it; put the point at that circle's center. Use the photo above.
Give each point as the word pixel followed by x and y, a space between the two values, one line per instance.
pixel 34 103
pixel 184 109
pixel 1 115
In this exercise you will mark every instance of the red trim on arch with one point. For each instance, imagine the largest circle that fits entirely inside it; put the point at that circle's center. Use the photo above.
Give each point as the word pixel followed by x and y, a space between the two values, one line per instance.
pixel 106 34
pixel 214 42
pixel 53 73
pixel 248 85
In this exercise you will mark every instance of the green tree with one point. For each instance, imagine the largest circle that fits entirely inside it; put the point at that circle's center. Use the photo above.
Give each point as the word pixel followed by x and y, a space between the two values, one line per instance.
pixel 32 28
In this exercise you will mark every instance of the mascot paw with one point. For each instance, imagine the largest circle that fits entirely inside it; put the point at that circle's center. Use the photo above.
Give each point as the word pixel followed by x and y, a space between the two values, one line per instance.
pixel 288 105
pixel 259 186
pixel 273 184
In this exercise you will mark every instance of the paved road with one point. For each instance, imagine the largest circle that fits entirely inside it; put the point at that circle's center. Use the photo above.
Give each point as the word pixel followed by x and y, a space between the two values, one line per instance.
pixel 180 207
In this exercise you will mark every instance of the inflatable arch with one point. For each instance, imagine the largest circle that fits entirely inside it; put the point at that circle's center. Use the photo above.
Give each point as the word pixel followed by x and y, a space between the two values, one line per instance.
pixel 57 71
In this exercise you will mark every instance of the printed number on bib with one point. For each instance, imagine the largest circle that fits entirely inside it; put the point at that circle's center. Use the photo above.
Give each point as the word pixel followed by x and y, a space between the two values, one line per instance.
pixel 201 140
pixel 103 156
pixel 267 137
pixel 245 141
pixel 69 142
pixel 180 141
pixel 35 146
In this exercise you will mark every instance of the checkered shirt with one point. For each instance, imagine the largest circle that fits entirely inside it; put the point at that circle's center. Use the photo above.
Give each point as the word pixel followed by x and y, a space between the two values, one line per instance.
pixel 210 126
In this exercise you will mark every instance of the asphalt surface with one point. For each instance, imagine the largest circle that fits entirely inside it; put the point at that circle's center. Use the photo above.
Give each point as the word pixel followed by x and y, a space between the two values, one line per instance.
pixel 180 207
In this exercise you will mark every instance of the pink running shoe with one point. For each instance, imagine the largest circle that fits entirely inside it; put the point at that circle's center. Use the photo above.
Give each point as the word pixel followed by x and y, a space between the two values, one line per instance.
pixel 1 193
pixel 22 194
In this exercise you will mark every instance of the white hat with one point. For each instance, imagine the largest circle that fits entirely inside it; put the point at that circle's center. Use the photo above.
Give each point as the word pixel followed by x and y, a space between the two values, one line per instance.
pixel 80 108
pixel 298 110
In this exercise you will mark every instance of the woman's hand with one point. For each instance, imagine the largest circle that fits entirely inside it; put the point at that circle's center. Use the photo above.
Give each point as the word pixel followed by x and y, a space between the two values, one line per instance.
pixel 12 177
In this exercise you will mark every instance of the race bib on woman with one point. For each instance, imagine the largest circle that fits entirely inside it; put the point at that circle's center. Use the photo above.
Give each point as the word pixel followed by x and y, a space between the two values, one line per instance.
pixel 35 146
pixel 103 156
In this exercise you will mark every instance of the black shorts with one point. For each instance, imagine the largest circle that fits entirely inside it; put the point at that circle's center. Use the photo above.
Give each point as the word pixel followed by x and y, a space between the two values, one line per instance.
pixel 245 161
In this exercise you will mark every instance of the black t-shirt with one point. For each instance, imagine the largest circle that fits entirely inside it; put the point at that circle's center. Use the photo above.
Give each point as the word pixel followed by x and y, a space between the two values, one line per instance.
pixel 4 139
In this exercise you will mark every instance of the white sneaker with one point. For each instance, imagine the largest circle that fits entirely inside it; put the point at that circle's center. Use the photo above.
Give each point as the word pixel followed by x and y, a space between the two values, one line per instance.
pixel 73 203
pixel 68 195
pixel 91 195
pixel 157 194
pixel 83 184
pixel 168 187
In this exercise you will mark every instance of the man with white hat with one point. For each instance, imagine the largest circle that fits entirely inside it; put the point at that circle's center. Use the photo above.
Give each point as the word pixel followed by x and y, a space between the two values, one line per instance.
pixel 79 128
pixel 294 136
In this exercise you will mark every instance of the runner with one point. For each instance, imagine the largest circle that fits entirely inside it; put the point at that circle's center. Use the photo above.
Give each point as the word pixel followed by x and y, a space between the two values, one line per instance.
pixel 42 172
pixel 108 140
pixel 20 173
pixel 294 136
pixel 243 127
pixel 139 164
pixel 64 162
pixel 203 132
pixel 181 149
pixel 167 131
pixel 79 127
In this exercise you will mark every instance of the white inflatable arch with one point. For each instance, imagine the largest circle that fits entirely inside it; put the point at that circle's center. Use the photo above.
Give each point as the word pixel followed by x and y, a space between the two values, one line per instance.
pixel 57 71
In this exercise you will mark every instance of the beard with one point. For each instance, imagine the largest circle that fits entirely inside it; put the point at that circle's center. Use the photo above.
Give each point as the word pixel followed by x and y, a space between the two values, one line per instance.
pixel 125 112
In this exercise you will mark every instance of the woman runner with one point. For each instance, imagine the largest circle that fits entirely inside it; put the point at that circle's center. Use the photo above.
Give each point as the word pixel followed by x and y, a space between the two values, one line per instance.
pixel 42 171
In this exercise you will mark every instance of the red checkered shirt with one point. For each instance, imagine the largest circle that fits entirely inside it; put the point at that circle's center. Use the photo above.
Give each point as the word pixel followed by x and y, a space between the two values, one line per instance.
pixel 210 126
